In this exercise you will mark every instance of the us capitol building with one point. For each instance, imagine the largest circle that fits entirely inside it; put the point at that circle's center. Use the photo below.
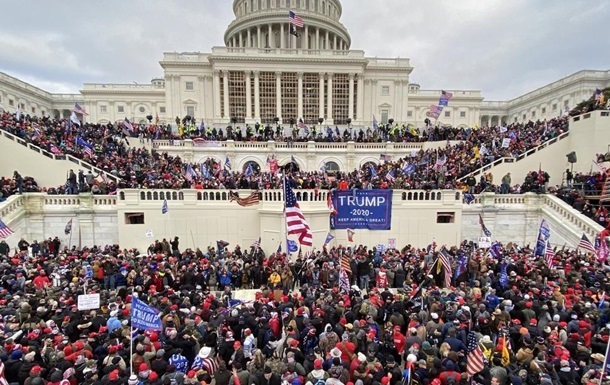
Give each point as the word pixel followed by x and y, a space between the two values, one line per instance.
pixel 265 72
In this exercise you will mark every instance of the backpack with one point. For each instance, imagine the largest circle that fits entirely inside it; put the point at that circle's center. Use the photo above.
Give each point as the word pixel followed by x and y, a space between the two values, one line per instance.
pixel 321 381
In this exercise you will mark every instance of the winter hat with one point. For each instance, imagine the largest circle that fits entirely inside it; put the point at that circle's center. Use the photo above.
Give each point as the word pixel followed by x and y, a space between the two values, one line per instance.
pixel 133 380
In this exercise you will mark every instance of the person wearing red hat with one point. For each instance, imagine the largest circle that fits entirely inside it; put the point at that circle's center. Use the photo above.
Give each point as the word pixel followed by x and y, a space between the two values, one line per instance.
pixel 317 375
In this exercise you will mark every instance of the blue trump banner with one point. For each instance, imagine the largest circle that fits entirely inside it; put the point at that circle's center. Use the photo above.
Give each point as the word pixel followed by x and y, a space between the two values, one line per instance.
pixel 544 233
pixel 144 317
pixel 362 209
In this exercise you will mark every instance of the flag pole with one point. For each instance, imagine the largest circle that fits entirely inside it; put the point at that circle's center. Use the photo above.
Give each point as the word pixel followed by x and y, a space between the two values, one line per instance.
pixel 70 238
pixel 131 348
pixel 193 239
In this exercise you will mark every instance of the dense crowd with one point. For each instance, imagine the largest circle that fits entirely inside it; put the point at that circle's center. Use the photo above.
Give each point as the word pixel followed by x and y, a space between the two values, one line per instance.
pixel 533 324
pixel 107 147
pixel 17 185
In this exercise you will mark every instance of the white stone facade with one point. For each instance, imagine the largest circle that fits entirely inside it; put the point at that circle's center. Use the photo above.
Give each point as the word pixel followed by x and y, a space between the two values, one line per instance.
pixel 201 217
pixel 264 72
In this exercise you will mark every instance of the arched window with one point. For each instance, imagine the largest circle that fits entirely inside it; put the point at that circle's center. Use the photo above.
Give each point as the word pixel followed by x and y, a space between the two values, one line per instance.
pixel 291 166
pixel 331 167
pixel 256 168
pixel 323 6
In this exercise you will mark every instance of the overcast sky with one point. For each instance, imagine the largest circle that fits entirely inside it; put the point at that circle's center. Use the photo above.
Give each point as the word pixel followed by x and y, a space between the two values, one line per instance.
pixel 502 47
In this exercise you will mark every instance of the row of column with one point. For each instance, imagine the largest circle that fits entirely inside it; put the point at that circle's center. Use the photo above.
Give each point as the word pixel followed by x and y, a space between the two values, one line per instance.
pixel 322 40
pixel 225 114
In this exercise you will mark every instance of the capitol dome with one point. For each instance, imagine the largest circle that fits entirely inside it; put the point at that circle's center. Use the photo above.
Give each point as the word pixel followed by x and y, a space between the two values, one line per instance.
pixel 265 24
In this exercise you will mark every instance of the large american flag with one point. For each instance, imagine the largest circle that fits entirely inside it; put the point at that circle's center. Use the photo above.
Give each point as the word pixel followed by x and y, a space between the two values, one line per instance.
pixel 586 244
pixel 250 200
pixel 295 221
pixel 444 259
pixel 295 20
pixel 5 231
pixel 475 355
pixel 79 110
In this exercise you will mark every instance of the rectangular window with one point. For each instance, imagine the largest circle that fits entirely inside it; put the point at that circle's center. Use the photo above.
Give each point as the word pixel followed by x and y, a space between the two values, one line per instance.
pixel 385 90
pixel 103 109
pixel 237 95
pixel 524 116
pixel 11 102
pixel 190 111
pixel 447 114
pixel 190 86
pixel 44 113
pixel 120 109
pixel 544 110
pixel 33 110
pixel 290 97
pixel 341 98
pixel 267 98
pixel 554 106
pixel 162 110
pixel 22 106
pixel 533 114
pixel 409 114
pixel 298 4
pixel 134 218
pixel 384 116
pixel 311 98
pixel 446 217
pixel 462 114
pixel 515 119
pixel 278 3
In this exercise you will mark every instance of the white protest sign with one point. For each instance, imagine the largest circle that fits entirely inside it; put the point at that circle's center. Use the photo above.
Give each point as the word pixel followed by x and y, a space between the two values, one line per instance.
pixel 88 301
pixel 506 142
pixel 391 243
pixel 503 129
pixel 484 242
pixel 380 247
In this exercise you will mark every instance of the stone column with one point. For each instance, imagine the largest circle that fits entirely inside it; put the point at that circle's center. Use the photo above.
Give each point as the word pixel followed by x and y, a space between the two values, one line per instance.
pixel 327 41
pixel 334 42
pixel 350 102
pixel 322 114
pixel 396 109
pixel 258 37
pixel 177 93
pixel 225 85
pixel 360 99
pixel 329 106
pixel 278 94
pixel 241 40
pixel 374 99
pixel 216 90
pixel 271 42
pixel 317 38
pixel 257 100
pixel 201 103
pixel 248 96
pixel 300 95
pixel 305 42
pixel 282 38
pixel 249 37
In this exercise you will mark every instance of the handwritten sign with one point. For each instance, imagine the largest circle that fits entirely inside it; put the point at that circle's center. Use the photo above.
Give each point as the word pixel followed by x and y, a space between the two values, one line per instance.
pixel 88 301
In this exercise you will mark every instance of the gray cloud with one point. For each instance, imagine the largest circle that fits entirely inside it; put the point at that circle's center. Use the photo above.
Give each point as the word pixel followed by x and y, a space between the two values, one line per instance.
pixel 504 48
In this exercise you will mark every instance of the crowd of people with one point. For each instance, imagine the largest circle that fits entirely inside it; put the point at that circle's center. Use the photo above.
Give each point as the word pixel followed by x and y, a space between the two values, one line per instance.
pixel 107 148
pixel 533 324
pixel 17 184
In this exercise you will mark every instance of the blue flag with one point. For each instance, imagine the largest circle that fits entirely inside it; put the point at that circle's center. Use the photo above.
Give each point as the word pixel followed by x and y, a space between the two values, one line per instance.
pixel 164 207
pixel 462 266
pixel 144 317
pixel 544 233
pixel 227 163
pixel 373 171
pixel 291 246
pixel 496 250
pixel 504 275
pixel 279 248
pixel 329 238
pixel 249 171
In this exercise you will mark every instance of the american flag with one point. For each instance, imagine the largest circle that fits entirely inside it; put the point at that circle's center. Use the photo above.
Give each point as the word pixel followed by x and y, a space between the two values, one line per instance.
pixel 586 244
pixel 295 221
pixel 350 235
pixel 250 200
pixel 390 176
pixel 343 281
pixel 301 124
pixel 345 263
pixel 5 231
pixel 483 227
pixel 295 20
pixel 257 243
pixel 435 109
pixel 475 355
pixel 55 150
pixel 79 110
pixel 549 255
pixel 446 94
pixel 189 173
pixel 445 260
pixel 68 228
